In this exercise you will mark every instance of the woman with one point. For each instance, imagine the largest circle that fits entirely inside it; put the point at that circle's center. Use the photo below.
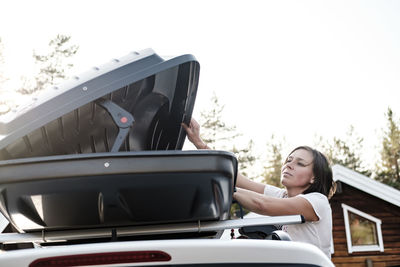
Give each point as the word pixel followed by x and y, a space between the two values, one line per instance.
pixel 308 182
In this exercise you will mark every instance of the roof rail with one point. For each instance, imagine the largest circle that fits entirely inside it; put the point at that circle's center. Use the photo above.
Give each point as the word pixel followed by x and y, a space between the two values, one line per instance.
pixel 56 236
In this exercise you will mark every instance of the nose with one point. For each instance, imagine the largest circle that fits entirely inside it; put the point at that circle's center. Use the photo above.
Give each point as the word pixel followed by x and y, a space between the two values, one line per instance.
pixel 289 165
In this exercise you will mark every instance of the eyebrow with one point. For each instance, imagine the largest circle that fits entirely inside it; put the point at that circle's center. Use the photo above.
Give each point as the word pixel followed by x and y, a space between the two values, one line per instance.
pixel 298 159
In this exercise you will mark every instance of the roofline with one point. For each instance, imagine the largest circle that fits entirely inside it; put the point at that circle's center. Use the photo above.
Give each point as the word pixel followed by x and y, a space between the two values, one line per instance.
pixel 366 184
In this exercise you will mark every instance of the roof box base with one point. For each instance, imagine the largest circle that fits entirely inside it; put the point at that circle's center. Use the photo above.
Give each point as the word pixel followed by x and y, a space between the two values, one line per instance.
pixel 121 189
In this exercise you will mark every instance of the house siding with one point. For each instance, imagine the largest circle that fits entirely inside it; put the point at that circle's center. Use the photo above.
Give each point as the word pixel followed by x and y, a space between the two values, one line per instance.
pixel 385 211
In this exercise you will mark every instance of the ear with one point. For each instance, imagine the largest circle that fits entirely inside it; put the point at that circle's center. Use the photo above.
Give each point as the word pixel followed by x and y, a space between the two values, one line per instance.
pixel 312 180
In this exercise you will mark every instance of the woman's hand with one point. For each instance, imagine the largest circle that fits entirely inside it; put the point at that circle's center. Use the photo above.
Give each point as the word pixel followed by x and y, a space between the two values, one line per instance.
pixel 193 134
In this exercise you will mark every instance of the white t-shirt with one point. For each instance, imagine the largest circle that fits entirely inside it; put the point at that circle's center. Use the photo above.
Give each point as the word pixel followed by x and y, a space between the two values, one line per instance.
pixel 318 233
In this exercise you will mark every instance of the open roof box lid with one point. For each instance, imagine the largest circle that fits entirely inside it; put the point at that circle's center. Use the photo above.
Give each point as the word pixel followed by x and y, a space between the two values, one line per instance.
pixel 103 150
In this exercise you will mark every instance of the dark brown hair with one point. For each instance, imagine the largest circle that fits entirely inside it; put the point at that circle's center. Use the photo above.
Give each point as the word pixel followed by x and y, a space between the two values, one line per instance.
pixel 323 178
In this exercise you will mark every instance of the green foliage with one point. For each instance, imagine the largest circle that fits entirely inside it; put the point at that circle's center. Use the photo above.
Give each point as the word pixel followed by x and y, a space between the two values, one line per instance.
pixel 52 66
pixel 273 166
pixel 215 131
pixel 245 157
pixel 237 211
pixel 387 170
pixel 217 134
pixel 346 152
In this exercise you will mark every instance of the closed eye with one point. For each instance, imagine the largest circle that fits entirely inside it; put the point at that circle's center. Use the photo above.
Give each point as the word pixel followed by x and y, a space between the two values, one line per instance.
pixel 289 159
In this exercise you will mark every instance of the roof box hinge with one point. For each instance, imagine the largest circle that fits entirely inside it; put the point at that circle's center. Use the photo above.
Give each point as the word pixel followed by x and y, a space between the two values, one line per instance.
pixel 122 118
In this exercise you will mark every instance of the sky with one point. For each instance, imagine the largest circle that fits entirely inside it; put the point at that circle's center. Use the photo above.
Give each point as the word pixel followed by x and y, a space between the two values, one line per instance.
pixel 295 69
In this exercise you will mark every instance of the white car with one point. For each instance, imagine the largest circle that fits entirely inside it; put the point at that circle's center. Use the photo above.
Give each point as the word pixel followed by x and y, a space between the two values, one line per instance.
pixel 186 252
pixel 92 174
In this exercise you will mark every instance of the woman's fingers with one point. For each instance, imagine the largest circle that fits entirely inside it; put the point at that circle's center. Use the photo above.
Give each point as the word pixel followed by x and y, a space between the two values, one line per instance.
pixel 192 128
pixel 193 134
pixel 194 123
pixel 195 126
pixel 185 126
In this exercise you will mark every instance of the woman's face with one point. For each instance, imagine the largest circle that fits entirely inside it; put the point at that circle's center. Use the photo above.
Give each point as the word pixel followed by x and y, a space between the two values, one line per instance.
pixel 297 172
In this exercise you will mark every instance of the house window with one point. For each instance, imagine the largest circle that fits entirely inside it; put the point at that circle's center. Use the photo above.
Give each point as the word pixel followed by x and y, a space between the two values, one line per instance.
pixel 363 231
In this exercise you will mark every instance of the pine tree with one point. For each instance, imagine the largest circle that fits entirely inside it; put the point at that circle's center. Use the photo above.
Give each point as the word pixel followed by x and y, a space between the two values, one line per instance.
pixel 218 135
pixel 346 152
pixel 246 159
pixel 52 66
pixel 273 165
pixel 388 170
pixel 216 132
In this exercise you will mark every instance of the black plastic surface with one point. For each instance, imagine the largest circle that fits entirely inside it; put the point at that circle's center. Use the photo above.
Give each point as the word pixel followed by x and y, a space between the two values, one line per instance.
pixel 70 119
pixel 117 189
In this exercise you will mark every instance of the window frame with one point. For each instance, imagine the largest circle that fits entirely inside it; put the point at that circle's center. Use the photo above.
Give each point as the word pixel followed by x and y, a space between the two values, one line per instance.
pixel 378 222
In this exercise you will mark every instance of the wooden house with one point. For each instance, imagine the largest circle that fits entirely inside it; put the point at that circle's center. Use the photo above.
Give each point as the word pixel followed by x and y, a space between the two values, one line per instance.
pixel 366 221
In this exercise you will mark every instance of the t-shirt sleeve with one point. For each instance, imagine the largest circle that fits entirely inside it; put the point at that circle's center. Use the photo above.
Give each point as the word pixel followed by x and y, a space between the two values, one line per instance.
pixel 319 202
pixel 273 191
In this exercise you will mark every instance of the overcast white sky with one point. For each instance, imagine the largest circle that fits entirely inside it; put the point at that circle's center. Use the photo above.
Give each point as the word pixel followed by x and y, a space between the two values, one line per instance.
pixel 290 68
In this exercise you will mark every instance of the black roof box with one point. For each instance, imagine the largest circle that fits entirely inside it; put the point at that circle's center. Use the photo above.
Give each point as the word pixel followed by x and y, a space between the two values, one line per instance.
pixel 87 154
pixel 134 103
pixel 117 189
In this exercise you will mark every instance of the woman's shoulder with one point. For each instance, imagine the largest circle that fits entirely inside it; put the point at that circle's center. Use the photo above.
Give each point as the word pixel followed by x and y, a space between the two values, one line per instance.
pixel 320 204
pixel 316 197
pixel 316 194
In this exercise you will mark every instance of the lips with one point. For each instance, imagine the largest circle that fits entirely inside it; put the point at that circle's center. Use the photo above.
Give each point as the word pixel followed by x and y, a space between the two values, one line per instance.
pixel 287 173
